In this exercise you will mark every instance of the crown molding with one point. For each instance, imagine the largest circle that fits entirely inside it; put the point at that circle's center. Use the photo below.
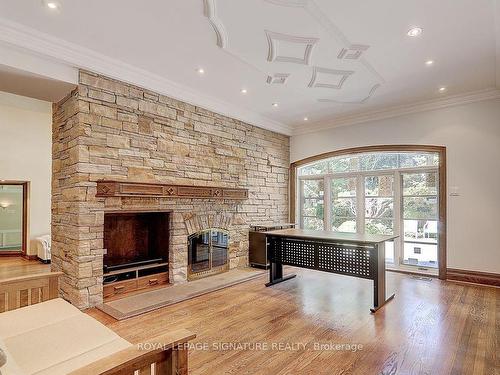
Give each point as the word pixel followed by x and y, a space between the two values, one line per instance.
pixel 396 111
pixel 497 40
pixel 41 44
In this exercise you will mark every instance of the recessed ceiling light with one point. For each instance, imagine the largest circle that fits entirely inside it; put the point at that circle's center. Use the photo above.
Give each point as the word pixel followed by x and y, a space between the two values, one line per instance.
pixel 306 119
pixel 275 104
pixel 53 5
pixel 429 62
pixel 200 71
pixel 244 91
pixel 414 31
pixel 442 89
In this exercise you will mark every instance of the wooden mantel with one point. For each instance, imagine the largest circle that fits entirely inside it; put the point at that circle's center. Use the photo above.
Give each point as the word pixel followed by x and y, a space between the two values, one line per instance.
pixel 106 188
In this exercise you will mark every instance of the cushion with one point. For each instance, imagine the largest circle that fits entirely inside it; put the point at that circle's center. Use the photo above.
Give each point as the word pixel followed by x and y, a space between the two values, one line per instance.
pixel 3 357
pixel 54 337
pixel 27 318
pixel 87 358
pixel 10 367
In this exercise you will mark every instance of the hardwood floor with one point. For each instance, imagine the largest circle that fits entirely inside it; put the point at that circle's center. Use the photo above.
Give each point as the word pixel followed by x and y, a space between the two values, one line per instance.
pixel 431 327
pixel 19 266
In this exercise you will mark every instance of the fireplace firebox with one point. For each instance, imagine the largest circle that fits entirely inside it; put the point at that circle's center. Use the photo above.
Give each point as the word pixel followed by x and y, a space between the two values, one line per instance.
pixel 137 248
pixel 135 238
pixel 207 253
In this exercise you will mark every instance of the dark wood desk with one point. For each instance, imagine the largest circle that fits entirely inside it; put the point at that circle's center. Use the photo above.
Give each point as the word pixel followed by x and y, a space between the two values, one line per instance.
pixel 257 250
pixel 358 255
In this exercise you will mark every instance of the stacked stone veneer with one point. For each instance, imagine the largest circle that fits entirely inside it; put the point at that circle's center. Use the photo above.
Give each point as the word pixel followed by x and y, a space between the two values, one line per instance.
pixel 107 129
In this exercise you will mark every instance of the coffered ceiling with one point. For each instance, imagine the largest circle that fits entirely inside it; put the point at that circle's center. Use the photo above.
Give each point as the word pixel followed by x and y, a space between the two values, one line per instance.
pixel 321 63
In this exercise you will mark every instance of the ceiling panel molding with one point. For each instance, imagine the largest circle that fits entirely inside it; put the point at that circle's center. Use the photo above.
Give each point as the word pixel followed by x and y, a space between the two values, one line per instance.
pixel 210 12
pixel 302 48
pixel 42 44
pixel 222 38
pixel 318 72
pixel 362 101
pixel 315 11
pixel 274 40
pixel 396 111
pixel 278 78
pixel 353 52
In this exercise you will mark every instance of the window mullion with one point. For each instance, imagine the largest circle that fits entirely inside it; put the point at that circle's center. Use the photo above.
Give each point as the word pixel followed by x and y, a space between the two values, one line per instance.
pixel 398 197
pixel 327 201
pixel 360 203
pixel 301 204
pixel 397 204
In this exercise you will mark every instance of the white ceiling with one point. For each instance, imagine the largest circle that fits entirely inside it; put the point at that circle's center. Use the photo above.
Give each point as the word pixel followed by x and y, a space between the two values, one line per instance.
pixel 24 83
pixel 341 60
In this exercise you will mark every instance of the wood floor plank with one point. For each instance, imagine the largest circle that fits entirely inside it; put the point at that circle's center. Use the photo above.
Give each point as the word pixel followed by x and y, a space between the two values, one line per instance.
pixel 492 341
pixel 431 327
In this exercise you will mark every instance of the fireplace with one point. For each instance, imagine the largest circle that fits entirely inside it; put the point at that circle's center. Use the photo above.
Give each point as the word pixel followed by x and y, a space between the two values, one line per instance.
pixel 207 253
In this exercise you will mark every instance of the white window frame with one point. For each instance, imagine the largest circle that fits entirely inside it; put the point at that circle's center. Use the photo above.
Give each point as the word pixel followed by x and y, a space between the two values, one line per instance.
pixel 401 240
pixel 360 204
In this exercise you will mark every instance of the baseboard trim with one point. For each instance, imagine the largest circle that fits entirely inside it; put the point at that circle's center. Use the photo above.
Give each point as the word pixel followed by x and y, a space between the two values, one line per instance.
pixel 30 257
pixel 476 277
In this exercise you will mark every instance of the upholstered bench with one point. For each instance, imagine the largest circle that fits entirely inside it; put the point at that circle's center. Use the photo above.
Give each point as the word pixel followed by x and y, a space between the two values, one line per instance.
pixel 53 337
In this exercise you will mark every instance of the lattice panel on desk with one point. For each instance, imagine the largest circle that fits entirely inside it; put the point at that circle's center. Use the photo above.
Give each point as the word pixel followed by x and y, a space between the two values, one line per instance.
pixel 352 260
pixel 293 252
pixel 344 259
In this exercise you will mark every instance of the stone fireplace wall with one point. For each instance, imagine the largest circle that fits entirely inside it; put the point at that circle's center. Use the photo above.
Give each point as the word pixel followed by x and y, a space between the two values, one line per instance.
pixel 107 129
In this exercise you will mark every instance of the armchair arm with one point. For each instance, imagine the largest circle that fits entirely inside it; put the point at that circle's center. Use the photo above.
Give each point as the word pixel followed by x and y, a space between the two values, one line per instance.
pixel 164 351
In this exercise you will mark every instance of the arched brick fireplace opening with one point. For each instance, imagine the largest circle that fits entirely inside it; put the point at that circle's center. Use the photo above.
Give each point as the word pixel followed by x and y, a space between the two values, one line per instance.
pixel 208 243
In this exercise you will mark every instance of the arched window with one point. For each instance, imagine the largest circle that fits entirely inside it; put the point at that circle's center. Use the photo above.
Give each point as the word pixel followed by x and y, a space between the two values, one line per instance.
pixel 379 192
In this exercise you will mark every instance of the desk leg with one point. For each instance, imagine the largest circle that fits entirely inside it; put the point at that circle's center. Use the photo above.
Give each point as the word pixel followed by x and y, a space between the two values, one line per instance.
pixel 276 274
pixel 379 284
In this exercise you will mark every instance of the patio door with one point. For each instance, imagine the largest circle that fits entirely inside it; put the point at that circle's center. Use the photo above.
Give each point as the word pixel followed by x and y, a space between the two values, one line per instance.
pixel 381 214
pixel 419 215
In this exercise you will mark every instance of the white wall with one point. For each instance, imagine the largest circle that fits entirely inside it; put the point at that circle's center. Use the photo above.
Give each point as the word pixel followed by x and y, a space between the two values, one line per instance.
pixel 471 134
pixel 25 152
